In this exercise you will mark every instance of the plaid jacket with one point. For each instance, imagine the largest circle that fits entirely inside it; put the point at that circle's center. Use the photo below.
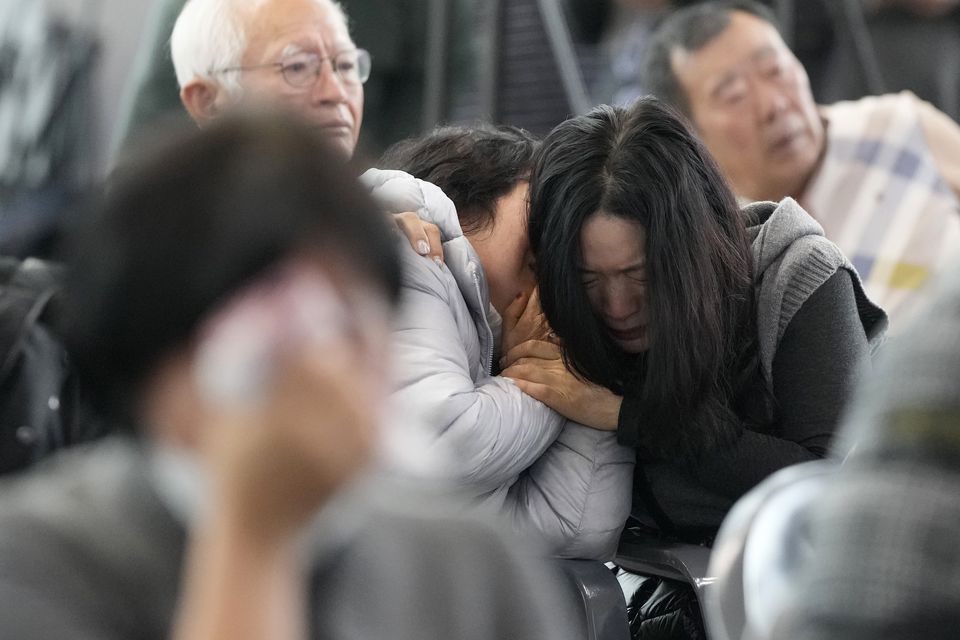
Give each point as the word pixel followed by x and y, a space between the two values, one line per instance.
pixel 882 199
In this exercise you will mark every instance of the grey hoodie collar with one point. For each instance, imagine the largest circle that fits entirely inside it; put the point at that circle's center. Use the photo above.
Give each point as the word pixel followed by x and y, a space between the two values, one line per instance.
pixel 774 227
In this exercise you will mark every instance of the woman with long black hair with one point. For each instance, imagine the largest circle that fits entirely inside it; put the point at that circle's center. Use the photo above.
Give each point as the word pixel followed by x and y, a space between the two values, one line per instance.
pixel 721 343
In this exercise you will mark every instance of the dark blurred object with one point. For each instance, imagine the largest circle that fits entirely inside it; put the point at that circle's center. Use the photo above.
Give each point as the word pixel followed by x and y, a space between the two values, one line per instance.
pixel 914 51
pixel 666 582
pixel 29 226
pixel 534 74
pixel 603 604
pixel 424 61
pixel 45 111
pixel 624 38
pixel 41 408
pixel 922 8
pixel 589 19
pixel 663 609
pixel 152 90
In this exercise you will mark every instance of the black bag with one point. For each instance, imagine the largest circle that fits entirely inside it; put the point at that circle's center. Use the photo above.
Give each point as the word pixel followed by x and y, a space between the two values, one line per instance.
pixel 663 609
pixel 40 405
pixel 660 608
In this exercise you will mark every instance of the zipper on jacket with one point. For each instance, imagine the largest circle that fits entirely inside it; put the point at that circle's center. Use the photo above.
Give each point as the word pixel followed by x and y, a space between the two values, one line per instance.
pixel 486 324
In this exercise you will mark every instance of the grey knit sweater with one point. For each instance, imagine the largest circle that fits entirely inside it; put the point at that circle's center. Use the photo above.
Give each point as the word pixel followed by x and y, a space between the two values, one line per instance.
pixel 792 259
pixel 817 331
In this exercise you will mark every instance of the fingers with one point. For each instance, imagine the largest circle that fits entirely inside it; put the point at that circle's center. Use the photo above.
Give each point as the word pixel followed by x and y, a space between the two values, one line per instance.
pixel 538 391
pixel 423 236
pixel 514 311
pixel 532 309
pixel 535 322
pixel 412 227
pixel 524 370
pixel 542 349
pixel 435 240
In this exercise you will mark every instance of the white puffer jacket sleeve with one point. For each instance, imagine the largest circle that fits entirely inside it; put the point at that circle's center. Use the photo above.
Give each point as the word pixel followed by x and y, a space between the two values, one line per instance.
pixel 564 484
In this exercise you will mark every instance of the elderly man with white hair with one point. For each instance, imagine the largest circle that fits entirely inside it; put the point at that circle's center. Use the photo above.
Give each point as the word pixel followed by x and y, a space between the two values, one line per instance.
pixel 295 53
pixel 298 52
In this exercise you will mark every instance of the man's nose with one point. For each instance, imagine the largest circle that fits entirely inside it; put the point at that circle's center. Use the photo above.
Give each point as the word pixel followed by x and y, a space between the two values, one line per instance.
pixel 328 86
pixel 770 99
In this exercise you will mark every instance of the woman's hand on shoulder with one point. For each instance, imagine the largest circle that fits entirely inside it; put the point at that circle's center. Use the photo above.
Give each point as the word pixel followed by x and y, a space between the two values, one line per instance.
pixel 537 367
pixel 423 236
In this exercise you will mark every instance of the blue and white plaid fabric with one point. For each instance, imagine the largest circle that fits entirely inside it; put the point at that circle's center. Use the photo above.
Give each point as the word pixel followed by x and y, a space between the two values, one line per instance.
pixel 882 199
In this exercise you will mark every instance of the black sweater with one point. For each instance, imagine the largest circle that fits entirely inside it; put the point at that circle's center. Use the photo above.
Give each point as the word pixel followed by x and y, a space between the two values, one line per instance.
pixel 822 352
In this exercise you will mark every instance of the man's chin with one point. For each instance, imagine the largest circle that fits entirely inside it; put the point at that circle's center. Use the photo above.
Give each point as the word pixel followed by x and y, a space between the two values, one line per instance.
pixel 341 141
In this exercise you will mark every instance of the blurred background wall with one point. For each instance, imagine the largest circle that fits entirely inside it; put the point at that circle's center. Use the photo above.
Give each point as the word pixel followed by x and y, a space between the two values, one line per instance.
pixel 119 26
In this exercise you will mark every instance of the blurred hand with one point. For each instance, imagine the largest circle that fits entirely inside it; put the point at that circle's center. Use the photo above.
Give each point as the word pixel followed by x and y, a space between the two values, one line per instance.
pixel 537 368
pixel 423 236
pixel 523 320
pixel 275 463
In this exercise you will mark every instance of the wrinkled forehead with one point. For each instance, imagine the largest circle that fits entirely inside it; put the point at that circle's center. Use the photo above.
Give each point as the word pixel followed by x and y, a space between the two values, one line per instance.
pixel 612 244
pixel 747 40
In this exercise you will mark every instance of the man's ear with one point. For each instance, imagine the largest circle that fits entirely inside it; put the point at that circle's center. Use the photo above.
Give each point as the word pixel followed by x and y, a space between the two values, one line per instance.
pixel 202 100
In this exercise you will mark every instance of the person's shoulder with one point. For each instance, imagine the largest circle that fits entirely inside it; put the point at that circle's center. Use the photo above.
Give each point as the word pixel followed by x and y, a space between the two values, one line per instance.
pixel 398 192
pixel 785 233
pixel 904 102
pixel 62 483
pixel 422 551
pixel 71 546
pixel 94 501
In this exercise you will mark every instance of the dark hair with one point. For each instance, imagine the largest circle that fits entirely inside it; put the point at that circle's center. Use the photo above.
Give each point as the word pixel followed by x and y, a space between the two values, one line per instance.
pixel 475 166
pixel 643 164
pixel 689 29
pixel 184 226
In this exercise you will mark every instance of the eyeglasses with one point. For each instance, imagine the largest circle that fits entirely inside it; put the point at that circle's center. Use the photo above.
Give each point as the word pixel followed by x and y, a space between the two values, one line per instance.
pixel 302 69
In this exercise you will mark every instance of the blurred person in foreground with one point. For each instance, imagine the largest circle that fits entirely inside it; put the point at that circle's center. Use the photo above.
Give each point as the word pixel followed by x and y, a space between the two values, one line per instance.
pixel 294 53
pixel 880 174
pixel 565 484
pixel 231 301
pixel 883 539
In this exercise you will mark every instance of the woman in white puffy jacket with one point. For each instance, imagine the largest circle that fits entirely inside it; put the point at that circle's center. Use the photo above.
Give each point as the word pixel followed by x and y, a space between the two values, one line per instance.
pixel 565 484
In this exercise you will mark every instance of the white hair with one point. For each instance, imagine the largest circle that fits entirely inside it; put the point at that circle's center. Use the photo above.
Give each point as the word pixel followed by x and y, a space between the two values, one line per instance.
pixel 209 36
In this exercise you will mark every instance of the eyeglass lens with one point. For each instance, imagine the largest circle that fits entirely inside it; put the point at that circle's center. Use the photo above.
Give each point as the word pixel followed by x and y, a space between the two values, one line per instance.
pixel 352 67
